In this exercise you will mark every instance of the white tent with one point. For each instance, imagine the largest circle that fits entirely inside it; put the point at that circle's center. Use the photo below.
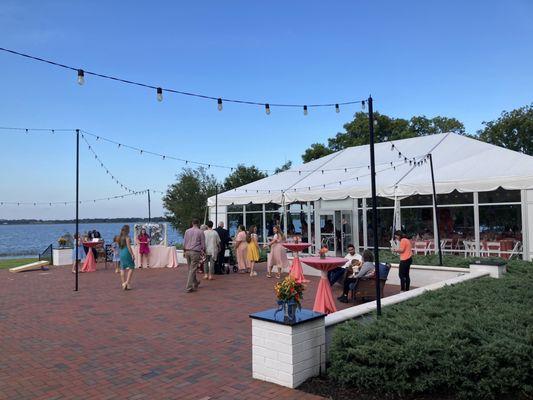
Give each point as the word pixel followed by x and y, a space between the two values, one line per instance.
pixel 460 163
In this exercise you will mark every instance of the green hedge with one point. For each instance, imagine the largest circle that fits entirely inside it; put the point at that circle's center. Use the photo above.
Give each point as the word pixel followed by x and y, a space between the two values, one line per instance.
pixel 473 340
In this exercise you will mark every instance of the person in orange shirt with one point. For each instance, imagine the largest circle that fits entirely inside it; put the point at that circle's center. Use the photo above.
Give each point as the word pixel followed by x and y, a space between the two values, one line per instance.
pixel 406 259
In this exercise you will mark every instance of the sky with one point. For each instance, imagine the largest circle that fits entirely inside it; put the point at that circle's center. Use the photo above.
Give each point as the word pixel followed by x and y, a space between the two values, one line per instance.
pixel 467 60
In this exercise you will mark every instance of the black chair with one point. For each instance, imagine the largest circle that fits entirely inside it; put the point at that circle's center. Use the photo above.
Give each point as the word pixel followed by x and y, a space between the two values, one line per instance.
pixel 365 288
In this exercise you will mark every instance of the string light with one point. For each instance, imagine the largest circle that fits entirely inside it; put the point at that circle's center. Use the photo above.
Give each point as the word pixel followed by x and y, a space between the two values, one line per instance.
pixel 82 73
pixel 81 77
pixel 337 108
pixel 54 203
pixel 363 105
pixel 305 110
pixel 219 106
pixel 267 109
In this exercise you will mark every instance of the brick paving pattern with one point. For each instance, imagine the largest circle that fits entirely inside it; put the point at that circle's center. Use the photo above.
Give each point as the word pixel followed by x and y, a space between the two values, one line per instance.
pixel 154 342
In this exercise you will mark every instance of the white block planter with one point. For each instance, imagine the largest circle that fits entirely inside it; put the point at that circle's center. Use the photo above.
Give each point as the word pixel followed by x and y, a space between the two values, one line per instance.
pixel 62 256
pixel 495 271
pixel 288 354
pixel 181 258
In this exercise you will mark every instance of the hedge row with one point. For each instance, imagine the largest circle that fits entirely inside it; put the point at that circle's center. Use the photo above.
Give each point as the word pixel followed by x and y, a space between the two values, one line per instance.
pixel 473 340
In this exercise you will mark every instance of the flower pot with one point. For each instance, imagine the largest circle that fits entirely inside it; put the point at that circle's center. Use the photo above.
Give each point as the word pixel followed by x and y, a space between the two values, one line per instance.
pixel 289 310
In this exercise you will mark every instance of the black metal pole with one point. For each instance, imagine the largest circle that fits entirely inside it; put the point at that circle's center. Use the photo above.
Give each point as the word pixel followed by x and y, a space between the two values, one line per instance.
pixel 149 211
pixel 435 211
pixel 374 204
pixel 77 204
pixel 216 205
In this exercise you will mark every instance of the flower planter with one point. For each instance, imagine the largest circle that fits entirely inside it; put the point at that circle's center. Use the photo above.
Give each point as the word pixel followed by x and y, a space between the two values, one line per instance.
pixel 62 256
pixel 496 269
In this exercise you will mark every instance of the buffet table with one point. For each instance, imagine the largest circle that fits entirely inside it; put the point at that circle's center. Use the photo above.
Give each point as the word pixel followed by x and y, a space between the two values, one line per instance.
pixel 159 257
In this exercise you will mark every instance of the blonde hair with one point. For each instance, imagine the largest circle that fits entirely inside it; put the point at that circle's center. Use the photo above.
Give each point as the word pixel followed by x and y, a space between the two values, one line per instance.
pixel 279 232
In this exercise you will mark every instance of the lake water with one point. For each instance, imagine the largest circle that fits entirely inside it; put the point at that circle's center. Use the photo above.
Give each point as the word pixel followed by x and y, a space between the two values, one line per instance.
pixel 30 240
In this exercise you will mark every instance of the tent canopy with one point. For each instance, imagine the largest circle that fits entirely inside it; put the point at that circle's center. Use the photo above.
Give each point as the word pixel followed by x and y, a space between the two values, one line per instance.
pixel 460 163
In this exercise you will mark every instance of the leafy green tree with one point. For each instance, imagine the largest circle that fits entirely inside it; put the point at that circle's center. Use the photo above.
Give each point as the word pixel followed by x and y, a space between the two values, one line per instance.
pixel 357 132
pixel 316 151
pixel 284 167
pixel 187 198
pixel 512 130
pixel 243 175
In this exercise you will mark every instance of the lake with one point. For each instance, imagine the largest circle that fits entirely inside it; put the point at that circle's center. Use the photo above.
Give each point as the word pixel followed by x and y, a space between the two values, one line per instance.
pixel 30 240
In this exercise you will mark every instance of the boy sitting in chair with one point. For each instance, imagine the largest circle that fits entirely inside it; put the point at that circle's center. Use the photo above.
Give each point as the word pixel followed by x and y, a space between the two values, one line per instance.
pixel 353 260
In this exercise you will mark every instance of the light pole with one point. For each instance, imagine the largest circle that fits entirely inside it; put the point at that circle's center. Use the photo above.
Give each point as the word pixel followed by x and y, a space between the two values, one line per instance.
pixel 374 203
pixel 435 208
pixel 77 205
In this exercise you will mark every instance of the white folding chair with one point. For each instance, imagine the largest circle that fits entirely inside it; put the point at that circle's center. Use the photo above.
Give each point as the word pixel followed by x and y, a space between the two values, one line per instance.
pixel 517 249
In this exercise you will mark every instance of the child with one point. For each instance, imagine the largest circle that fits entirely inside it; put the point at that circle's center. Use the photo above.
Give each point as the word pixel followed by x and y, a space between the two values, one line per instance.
pixel 116 253
pixel 253 249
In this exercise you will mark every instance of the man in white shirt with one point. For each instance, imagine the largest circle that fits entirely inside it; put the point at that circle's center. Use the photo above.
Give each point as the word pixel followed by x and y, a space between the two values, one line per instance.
pixel 353 259
pixel 212 248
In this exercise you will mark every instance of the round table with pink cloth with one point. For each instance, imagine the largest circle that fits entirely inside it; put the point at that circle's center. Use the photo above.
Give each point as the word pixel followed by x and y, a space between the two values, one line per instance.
pixel 158 257
pixel 324 301
pixel 296 270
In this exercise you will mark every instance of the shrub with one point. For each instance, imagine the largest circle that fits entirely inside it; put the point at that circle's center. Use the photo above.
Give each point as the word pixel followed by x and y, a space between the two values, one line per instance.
pixel 473 340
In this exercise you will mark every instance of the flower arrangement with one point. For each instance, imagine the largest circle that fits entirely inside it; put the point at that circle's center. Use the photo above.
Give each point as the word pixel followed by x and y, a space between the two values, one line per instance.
pixel 65 241
pixel 288 290
pixel 323 251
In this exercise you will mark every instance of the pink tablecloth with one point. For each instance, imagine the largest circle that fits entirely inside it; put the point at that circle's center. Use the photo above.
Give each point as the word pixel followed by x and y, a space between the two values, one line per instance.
pixel 89 265
pixel 296 270
pixel 324 301
pixel 159 257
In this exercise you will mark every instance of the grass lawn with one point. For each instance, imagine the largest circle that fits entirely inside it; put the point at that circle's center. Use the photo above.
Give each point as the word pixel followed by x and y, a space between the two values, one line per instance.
pixel 15 262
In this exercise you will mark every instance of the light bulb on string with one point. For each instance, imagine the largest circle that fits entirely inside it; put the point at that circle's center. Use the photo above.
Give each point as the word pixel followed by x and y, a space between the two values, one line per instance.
pixel 392 147
pixel 363 105
pixel 337 108
pixel 81 77
pixel 159 94
pixel 219 106
pixel 305 110
pixel 267 109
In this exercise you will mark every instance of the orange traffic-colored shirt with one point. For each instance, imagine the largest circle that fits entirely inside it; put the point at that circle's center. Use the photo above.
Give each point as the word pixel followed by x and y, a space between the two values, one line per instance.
pixel 405 249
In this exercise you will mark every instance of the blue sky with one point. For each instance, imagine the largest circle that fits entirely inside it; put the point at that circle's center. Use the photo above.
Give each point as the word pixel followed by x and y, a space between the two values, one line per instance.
pixel 468 60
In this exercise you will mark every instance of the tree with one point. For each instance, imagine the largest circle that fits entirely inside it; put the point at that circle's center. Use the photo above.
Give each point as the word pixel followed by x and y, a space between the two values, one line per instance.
pixel 316 151
pixel 284 167
pixel 387 128
pixel 187 198
pixel 512 130
pixel 243 175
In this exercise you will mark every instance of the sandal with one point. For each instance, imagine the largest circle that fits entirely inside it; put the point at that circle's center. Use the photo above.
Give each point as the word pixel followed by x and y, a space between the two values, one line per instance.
pixel 278 275
pixel 269 276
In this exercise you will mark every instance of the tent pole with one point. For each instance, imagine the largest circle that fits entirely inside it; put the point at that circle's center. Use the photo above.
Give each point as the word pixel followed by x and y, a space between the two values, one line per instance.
pixel 149 211
pixel 374 204
pixel 435 208
pixel 216 205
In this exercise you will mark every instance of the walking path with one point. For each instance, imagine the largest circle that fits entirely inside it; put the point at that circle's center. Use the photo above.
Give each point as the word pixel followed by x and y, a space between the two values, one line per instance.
pixel 154 342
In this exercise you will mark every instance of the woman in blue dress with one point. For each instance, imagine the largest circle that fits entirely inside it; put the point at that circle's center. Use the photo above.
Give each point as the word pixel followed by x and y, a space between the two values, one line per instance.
pixel 81 253
pixel 126 257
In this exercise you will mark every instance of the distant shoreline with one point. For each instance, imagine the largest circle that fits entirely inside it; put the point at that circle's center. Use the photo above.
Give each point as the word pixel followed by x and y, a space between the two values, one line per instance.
pixel 72 221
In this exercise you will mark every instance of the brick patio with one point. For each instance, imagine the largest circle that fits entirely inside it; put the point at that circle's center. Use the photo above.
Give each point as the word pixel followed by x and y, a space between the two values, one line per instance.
pixel 154 342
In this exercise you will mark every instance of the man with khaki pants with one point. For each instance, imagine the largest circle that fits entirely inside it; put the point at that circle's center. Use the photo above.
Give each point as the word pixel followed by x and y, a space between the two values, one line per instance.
pixel 194 248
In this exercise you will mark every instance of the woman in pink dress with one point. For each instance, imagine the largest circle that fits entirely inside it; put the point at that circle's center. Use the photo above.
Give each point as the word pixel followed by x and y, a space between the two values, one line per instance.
pixel 241 248
pixel 144 247
pixel 278 253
